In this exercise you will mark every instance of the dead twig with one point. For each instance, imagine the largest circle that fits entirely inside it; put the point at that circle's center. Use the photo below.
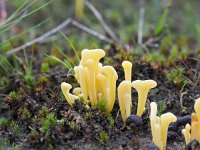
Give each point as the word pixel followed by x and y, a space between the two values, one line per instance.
pixel 100 19
pixel 141 22
pixel 103 23
pixel 181 97
pixel 41 38
pixel 57 29
pixel 92 32
pixel 150 41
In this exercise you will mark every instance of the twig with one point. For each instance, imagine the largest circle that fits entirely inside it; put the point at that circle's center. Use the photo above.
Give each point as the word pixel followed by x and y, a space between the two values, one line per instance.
pixel 57 29
pixel 55 37
pixel 181 97
pixel 103 23
pixel 196 59
pixel 100 19
pixel 41 38
pixel 141 23
pixel 92 32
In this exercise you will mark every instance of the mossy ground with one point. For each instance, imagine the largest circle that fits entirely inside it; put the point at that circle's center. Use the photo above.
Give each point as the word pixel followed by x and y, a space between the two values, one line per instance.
pixel 33 111
pixel 78 127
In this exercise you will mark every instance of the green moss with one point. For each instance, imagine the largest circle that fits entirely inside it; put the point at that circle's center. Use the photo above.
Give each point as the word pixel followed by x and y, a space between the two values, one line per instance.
pixel 13 97
pixel 103 136
pixel 43 112
pixel 88 115
pixel 111 121
pixel 24 114
pixel 44 68
pixel 14 127
pixel 101 105
pixel 74 126
pixel 161 108
pixel 3 122
pixel 49 121
pixel 176 76
pixel 30 81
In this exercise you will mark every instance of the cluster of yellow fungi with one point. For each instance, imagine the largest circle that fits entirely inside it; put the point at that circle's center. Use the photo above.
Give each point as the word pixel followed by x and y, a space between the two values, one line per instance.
pixel 192 132
pixel 98 82
pixel 159 126
pixel 124 92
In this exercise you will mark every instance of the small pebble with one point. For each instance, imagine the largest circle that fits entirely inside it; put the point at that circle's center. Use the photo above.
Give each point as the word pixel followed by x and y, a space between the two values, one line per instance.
pixel 134 119
pixel 124 143
pixel 182 121
pixel 173 127
pixel 193 145
pixel 171 135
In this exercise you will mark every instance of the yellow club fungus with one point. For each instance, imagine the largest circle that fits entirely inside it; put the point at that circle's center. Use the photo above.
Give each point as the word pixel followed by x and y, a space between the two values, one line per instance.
pixel 112 77
pixel 159 126
pixel 76 91
pixel 197 108
pixel 124 96
pixel 193 132
pixel 91 82
pixel 127 66
pixel 186 133
pixel 65 87
pixel 83 82
pixel 95 55
pixel 96 81
pixel 101 86
pixel 142 88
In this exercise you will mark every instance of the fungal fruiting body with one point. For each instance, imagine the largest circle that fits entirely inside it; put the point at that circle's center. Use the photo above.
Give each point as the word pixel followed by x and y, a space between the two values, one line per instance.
pixel 159 126
pixel 112 77
pixel 142 88
pixel 65 87
pixel 96 81
pixel 127 66
pixel 124 97
pixel 192 132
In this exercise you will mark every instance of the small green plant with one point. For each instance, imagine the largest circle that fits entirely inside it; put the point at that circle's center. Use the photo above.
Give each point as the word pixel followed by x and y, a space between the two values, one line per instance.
pixel 101 105
pixel 88 114
pixel 174 54
pixel 184 109
pixel 3 122
pixel 43 112
pixel 81 99
pixel 28 77
pixel 103 136
pixel 44 68
pixel 162 20
pixel 49 121
pixel 111 121
pixel 177 77
pixel 61 122
pixel 161 108
pixel 24 113
pixel 13 95
pixel 14 127
pixel 34 133
pixel 73 126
